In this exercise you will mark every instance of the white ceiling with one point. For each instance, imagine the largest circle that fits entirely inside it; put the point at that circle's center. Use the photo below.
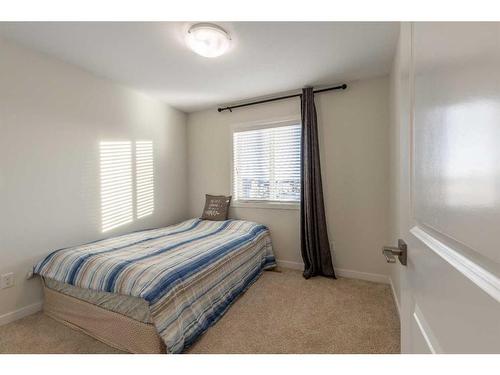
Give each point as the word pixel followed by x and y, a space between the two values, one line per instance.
pixel 265 57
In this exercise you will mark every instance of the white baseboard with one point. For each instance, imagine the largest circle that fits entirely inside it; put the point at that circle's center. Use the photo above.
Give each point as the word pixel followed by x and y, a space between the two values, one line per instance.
pixel 21 313
pixel 351 274
pixel 396 301
pixel 290 265
pixel 342 272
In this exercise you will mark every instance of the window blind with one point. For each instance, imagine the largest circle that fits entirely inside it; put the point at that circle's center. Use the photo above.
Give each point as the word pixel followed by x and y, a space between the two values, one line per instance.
pixel 266 164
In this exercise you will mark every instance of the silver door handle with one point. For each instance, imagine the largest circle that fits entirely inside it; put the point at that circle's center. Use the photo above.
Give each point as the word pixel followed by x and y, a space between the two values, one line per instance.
pixel 390 253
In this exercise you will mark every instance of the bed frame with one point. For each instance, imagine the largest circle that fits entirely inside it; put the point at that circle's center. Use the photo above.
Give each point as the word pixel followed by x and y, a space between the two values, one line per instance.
pixel 114 329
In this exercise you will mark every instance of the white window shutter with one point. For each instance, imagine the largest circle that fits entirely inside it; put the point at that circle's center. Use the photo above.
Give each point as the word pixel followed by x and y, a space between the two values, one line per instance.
pixel 266 164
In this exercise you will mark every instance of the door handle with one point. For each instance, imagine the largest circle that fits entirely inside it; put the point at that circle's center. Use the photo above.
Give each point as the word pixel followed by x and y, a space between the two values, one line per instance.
pixel 390 253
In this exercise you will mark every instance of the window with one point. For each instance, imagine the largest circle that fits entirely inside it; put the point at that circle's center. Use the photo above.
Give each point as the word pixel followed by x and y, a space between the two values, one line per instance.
pixel 266 164
pixel 117 182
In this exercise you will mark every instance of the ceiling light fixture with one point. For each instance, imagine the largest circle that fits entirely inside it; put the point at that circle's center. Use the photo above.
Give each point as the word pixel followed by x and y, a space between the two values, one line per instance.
pixel 208 40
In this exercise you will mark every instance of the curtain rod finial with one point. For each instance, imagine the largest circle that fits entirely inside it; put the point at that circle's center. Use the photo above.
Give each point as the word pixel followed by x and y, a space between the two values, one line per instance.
pixel 344 86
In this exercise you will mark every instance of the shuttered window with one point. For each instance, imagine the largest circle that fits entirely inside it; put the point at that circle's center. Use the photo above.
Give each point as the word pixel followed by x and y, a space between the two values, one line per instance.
pixel 266 164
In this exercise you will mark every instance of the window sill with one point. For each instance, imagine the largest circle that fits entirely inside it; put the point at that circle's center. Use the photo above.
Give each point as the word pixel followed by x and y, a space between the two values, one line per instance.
pixel 266 205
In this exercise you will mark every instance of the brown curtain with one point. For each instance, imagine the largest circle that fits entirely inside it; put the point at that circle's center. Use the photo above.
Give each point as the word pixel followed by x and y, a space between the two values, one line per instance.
pixel 315 245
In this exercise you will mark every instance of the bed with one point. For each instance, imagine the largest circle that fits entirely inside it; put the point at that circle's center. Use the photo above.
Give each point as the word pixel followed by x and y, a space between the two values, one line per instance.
pixel 156 290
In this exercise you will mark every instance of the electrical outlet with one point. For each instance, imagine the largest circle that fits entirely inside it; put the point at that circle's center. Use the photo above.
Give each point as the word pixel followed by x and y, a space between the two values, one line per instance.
pixel 7 280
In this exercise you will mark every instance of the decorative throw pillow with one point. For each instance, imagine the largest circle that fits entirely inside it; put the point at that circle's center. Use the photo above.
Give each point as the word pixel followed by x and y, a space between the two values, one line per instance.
pixel 216 207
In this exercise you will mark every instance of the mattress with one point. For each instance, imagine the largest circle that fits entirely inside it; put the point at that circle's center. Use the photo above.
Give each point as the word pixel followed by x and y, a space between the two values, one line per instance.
pixel 187 274
pixel 132 307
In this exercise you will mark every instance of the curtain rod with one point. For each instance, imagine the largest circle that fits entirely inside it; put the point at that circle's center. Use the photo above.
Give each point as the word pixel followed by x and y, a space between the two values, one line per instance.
pixel 230 108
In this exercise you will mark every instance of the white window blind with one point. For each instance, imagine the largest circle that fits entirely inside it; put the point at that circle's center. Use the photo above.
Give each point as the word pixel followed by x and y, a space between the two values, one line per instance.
pixel 266 164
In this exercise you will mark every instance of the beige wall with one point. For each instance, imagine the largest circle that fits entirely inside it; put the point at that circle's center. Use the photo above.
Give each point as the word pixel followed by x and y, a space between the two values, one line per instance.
pixel 399 146
pixel 354 129
pixel 52 117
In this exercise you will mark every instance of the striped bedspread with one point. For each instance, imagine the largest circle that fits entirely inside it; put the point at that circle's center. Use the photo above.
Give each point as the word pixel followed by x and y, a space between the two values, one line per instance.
pixel 189 273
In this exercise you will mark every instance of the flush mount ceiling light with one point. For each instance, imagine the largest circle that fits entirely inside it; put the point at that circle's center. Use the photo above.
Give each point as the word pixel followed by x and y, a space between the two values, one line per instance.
pixel 208 40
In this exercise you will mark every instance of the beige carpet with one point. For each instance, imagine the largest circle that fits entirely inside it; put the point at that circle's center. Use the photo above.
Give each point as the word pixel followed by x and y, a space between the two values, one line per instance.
pixel 280 313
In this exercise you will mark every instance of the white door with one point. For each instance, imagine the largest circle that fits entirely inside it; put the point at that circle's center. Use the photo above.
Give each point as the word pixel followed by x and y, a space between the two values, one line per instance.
pixel 449 187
